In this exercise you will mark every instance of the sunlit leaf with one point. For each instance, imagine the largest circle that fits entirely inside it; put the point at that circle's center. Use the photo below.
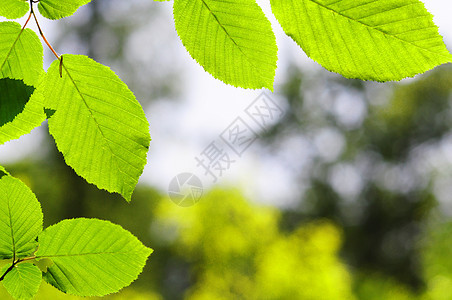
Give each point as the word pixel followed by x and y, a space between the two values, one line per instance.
pixel 91 257
pixel 14 94
pixel 21 54
pixel 98 124
pixel 20 219
pixel 3 172
pixel 20 59
pixel 232 40
pixel 43 264
pixel 22 281
pixel 21 110
pixel 369 40
pixel 57 9
pixel 14 9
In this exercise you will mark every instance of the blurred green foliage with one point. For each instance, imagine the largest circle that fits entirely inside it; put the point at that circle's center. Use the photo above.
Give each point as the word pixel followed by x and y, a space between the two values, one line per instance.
pixel 236 251
pixel 378 155
pixel 437 248
pixel 225 247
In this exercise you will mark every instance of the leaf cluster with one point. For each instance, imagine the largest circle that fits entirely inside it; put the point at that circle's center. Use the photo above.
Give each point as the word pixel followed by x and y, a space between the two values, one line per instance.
pixel 368 40
pixel 95 119
pixel 84 257
pixel 102 131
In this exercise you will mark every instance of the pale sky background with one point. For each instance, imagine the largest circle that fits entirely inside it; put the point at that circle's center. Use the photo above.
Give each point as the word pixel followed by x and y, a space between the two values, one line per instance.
pixel 181 132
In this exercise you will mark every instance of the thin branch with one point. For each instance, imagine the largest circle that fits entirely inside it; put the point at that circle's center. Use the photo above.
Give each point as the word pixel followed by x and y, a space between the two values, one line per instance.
pixel 25 259
pixel 7 271
pixel 25 25
pixel 40 31
pixel 14 264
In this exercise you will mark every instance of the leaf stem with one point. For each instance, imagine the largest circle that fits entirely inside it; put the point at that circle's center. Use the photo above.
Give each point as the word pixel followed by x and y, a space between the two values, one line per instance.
pixel 7 271
pixel 12 47
pixel 40 30
pixel 26 258
pixel 25 25
pixel 14 264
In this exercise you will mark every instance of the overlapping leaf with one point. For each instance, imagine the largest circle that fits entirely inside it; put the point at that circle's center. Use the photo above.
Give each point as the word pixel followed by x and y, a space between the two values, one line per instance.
pixel 21 54
pixel 366 39
pixel 98 125
pixel 3 172
pixel 14 9
pixel 14 94
pixel 57 9
pixel 20 219
pixel 21 109
pixel 23 281
pixel 20 59
pixel 91 257
pixel 232 40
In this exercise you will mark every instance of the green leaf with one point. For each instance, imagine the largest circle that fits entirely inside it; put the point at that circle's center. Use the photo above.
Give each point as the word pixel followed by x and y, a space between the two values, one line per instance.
pixel 232 40
pixel 91 257
pixel 21 54
pixel 370 40
pixel 14 9
pixel 14 94
pixel 57 9
pixel 23 281
pixel 21 110
pixel 20 219
pixel 3 172
pixel 21 58
pixel 43 264
pixel 98 124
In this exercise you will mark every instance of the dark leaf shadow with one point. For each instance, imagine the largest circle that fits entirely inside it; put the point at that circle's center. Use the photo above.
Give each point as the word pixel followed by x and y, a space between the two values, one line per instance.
pixel 14 95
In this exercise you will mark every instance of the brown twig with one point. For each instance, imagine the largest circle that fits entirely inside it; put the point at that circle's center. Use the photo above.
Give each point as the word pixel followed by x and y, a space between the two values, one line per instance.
pixel 40 30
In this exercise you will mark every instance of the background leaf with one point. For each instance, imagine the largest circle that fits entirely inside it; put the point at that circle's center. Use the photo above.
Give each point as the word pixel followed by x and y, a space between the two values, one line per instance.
pixel 232 40
pixel 14 9
pixel 20 219
pixel 23 281
pixel 369 40
pixel 91 257
pixel 98 125
pixel 57 9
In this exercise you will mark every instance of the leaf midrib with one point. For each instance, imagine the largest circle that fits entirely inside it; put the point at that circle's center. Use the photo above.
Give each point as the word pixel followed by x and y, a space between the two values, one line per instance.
pixel 11 49
pixel 376 29
pixel 93 253
pixel 93 117
pixel 12 231
pixel 231 38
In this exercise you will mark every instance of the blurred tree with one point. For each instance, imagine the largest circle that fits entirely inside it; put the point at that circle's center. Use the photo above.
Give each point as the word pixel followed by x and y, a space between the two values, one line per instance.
pixel 236 251
pixel 367 148
pixel 436 248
